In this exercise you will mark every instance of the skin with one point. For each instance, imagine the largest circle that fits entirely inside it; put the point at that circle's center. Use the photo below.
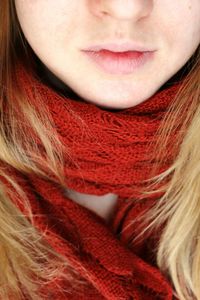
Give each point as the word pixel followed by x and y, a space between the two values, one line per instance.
pixel 58 30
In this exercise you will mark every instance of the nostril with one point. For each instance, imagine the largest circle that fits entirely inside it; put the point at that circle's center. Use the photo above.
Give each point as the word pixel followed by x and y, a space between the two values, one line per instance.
pixel 118 9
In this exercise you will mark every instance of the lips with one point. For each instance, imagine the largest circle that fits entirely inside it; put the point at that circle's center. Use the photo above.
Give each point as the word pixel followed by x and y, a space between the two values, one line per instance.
pixel 116 46
pixel 125 62
pixel 118 55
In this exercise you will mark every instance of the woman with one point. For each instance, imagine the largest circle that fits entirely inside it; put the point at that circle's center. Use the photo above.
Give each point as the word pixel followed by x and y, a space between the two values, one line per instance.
pixel 99 149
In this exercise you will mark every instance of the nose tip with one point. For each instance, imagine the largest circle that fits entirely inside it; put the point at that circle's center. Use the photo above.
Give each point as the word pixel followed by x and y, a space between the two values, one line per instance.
pixel 123 9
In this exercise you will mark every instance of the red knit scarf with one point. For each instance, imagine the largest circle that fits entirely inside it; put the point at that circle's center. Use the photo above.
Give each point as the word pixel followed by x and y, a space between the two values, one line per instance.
pixel 109 153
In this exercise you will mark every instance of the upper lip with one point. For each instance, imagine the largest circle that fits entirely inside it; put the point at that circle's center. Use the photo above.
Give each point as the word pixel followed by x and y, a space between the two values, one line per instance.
pixel 120 47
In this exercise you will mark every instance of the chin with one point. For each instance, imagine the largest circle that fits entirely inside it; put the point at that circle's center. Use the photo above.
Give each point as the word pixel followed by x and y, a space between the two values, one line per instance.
pixel 115 102
pixel 118 95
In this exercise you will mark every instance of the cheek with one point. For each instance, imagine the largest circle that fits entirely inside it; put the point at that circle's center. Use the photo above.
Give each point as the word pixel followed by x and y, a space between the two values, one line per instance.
pixel 179 21
pixel 45 21
pixel 183 37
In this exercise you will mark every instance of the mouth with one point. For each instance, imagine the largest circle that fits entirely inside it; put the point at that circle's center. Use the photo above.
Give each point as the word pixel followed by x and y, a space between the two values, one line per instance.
pixel 119 62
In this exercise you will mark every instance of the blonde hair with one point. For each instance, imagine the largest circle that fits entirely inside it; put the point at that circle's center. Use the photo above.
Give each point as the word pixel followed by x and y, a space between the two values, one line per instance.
pixel 27 260
pixel 179 249
pixel 178 210
pixel 23 247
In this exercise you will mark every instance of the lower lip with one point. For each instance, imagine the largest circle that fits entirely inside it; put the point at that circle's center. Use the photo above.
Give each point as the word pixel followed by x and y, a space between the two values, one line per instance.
pixel 119 62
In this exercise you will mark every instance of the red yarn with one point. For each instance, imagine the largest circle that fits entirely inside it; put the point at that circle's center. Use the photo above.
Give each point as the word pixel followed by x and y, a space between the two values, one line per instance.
pixel 110 151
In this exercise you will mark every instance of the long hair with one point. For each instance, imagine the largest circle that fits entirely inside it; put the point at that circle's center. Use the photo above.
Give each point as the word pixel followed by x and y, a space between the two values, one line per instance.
pixel 178 251
pixel 22 247
pixel 27 262
pixel 176 216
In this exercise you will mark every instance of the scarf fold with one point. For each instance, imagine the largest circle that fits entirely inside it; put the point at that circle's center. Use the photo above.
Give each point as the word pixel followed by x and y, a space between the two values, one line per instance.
pixel 110 154
pixel 109 151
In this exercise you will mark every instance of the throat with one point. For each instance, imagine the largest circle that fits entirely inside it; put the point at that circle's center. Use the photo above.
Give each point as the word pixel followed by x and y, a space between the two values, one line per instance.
pixel 103 206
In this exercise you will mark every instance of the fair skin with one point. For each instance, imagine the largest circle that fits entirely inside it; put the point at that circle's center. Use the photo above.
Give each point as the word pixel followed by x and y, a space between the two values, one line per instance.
pixel 58 30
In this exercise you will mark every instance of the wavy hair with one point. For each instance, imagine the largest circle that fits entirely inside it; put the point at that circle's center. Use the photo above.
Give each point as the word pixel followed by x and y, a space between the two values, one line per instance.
pixel 26 260
pixel 176 216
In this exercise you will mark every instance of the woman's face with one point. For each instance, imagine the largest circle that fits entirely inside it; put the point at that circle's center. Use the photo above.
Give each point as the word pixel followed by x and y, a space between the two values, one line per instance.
pixel 160 37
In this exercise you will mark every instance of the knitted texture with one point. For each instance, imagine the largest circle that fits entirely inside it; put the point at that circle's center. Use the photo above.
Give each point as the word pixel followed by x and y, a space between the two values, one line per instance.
pixel 109 153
